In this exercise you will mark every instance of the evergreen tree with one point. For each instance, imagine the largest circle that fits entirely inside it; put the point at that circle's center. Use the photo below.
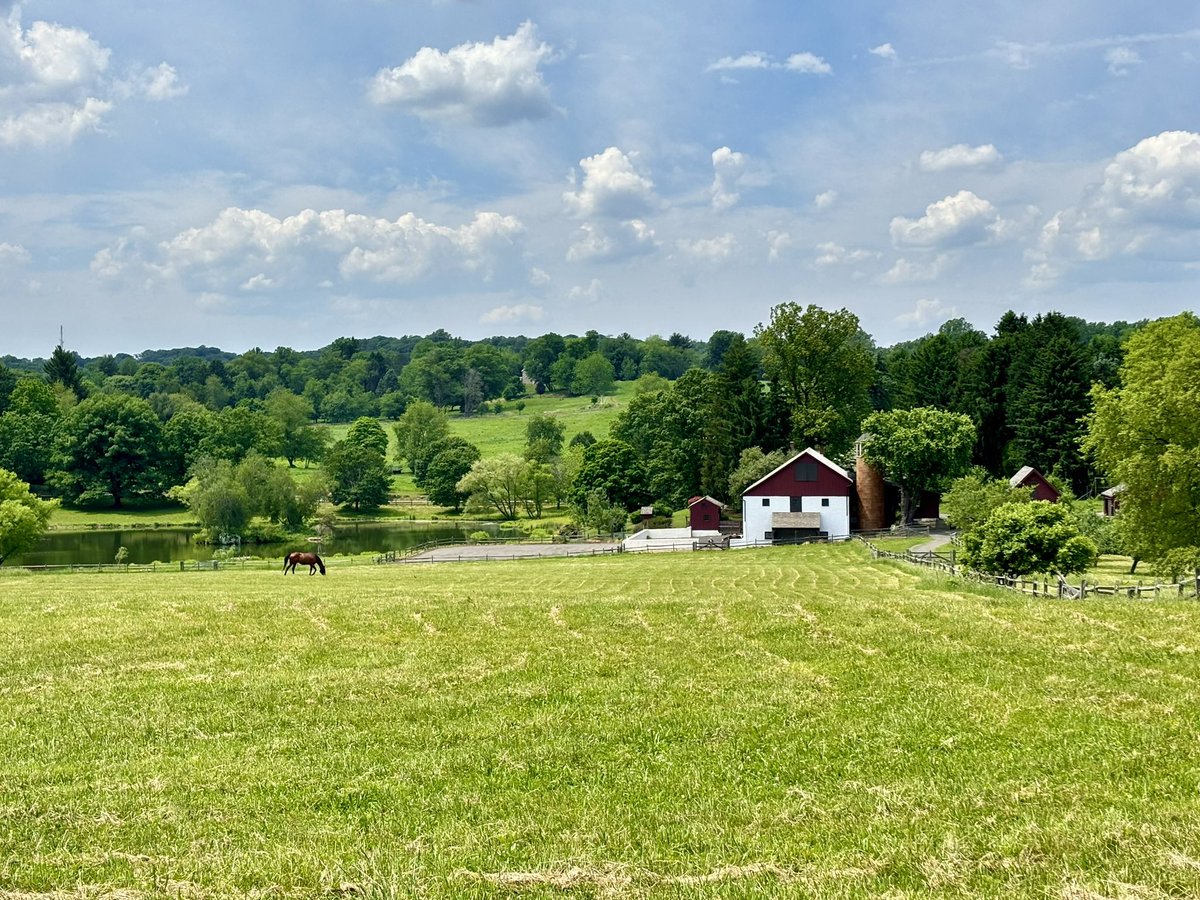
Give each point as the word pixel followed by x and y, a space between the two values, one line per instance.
pixel 63 368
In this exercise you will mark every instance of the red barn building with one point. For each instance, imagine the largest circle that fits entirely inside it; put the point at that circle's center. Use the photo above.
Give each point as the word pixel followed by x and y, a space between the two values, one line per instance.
pixel 1029 477
pixel 704 513
pixel 807 496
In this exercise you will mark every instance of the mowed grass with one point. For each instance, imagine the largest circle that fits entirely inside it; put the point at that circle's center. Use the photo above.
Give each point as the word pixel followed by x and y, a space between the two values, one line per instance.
pixel 784 722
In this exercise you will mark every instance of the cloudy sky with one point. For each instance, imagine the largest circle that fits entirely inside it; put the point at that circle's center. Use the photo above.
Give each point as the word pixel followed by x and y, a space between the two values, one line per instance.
pixel 280 173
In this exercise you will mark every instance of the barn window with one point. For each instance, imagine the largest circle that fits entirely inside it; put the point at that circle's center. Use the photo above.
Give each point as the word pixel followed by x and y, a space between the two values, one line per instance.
pixel 806 471
pixel 768 535
pixel 797 504
pixel 766 501
pixel 824 501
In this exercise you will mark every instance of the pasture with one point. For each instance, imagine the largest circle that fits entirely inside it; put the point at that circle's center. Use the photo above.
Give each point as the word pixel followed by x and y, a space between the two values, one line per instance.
pixel 495 433
pixel 784 722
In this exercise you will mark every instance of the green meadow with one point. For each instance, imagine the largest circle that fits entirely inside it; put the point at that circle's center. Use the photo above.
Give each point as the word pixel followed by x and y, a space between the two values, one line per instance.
pixel 504 432
pixel 785 722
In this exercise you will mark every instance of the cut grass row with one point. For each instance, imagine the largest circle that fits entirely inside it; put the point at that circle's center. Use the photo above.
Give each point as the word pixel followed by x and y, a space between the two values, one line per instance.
pixel 783 722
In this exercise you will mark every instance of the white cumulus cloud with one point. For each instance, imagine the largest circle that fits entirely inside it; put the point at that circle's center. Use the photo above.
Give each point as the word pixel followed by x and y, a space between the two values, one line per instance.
pixel 804 62
pixel 958 220
pixel 1148 204
pixel 53 123
pixel 808 63
pixel 884 51
pixel 1121 59
pixel 483 84
pixel 905 271
pixel 54 85
pixel 825 199
pixel 778 243
pixel 611 187
pixel 53 55
pixel 161 83
pixel 255 250
pixel 708 250
pixel 600 243
pixel 752 60
pixel 509 315
pixel 927 312
pixel 728 168
pixel 832 254
pixel 960 156
pixel 592 292
pixel 13 255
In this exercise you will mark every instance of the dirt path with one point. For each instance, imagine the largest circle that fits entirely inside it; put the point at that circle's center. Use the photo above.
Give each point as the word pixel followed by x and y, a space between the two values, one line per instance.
pixel 937 540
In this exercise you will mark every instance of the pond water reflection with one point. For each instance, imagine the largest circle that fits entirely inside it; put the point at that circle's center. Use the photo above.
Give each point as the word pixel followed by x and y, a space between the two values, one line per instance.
pixel 147 545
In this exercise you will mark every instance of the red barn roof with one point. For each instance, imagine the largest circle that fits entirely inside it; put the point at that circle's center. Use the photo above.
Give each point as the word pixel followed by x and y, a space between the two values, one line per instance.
pixel 807 474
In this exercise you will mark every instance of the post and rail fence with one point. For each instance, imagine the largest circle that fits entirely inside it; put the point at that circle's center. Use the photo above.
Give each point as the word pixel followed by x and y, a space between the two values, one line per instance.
pixel 946 561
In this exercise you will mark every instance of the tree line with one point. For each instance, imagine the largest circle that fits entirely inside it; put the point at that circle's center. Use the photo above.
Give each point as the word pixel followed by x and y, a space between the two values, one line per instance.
pixel 707 417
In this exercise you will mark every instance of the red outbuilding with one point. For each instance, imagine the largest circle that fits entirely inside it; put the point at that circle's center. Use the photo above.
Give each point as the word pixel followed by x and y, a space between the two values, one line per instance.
pixel 704 513
pixel 1029 477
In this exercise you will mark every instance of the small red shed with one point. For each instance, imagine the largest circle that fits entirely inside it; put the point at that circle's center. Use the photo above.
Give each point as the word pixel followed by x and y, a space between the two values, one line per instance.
pixel 1029 477
pixel 1112 499
pixel 705 513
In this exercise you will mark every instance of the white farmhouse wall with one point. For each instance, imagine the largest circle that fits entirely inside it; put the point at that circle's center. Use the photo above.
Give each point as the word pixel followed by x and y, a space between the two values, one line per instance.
pixel 756 518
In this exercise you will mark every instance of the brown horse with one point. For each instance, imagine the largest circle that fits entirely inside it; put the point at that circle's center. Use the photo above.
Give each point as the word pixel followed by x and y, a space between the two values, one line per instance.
pixel 304 559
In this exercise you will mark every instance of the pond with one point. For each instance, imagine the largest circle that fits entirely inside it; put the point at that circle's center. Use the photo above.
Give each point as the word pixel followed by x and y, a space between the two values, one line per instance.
pixel 147 545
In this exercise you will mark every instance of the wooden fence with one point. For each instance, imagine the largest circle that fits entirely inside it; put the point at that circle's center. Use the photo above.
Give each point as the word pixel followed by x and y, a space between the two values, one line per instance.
pixel 946 561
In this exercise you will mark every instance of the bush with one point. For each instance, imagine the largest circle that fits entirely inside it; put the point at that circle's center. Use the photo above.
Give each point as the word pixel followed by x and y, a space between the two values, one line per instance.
pixel 1023 538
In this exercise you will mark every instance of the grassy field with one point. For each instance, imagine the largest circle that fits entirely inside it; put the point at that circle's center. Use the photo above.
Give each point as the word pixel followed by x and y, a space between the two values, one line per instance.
pixel 495 433
pixel 783 722
pixel 159 517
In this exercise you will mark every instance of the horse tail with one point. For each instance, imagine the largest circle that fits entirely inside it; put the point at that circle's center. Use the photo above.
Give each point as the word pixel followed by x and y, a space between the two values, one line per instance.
pixel 321 565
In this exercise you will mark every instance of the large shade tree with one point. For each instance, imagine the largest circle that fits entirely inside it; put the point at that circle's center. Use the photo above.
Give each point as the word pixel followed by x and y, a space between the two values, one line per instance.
pixel 919 449
pixel 821 364
pixel 110 445
pixel 1145 435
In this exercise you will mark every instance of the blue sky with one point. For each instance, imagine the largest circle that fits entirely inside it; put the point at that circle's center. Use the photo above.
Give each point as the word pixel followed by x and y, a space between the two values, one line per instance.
pixel 273 173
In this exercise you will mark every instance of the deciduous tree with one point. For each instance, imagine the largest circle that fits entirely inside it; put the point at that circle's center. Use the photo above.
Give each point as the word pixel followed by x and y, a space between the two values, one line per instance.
pixel 919 449
pixel 451 459
pixel 358 476
pixel 971 498
pixel 1145 435
pixel 1024 538
pixel 499 482
pixel 823 366
pixel 421 426
pixel 110 445
pixel 23 517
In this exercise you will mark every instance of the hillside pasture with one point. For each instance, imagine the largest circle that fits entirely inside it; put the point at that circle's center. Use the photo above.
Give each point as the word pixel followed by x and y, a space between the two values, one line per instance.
pixel 504 432
pixel 795 721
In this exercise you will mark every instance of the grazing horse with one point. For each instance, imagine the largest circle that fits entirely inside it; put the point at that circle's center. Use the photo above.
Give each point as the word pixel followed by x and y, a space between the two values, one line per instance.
pixel 304 559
